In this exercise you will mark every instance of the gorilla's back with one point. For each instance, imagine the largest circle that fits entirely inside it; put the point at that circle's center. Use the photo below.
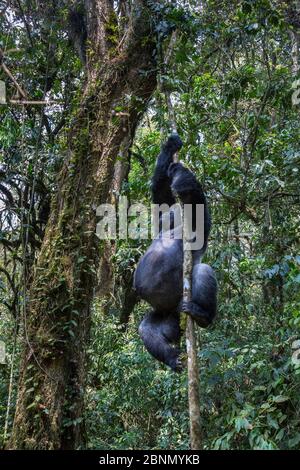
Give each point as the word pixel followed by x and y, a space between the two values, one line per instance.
pixel 158 276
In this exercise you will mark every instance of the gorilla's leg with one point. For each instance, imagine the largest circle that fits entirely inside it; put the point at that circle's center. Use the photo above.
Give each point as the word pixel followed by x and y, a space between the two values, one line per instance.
pixel 203 306
pixel 158 331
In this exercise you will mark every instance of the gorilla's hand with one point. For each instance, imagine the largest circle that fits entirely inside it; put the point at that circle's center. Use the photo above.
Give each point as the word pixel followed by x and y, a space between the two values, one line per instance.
pixel 196 312
pixel 173 144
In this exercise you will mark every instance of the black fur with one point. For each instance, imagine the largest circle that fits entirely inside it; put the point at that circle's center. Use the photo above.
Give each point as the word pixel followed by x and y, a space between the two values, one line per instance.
pixel 158 277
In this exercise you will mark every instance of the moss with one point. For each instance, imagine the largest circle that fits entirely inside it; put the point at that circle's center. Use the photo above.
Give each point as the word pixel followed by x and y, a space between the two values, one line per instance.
pixel 112 29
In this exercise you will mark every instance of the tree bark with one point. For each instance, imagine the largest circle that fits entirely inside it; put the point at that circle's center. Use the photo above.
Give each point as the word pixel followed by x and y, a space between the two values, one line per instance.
pixel 106 286
pixel 193 386
pixel 191 349
pixel 120 73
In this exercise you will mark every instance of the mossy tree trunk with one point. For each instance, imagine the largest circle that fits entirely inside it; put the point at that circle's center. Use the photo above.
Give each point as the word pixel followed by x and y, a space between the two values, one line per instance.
pixel 121 77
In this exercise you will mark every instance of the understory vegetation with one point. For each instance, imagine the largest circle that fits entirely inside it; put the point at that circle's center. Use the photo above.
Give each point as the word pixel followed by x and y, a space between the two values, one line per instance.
pixel 232 78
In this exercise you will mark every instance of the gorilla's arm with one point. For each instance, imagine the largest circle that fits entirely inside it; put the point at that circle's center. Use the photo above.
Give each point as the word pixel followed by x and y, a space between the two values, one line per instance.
pixel 184 183
pixel 161 190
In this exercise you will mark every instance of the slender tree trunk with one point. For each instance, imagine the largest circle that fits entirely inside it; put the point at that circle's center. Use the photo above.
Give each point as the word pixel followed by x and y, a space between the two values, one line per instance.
pixel 192 366
pixel 50 405
pixel 193 386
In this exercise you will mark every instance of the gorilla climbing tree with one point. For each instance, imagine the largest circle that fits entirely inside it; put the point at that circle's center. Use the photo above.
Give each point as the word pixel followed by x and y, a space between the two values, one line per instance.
pixel 120 79
pixel 233 80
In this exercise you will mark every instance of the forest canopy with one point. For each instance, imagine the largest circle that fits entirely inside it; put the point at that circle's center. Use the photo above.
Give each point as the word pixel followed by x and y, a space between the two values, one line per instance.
pixel 85 92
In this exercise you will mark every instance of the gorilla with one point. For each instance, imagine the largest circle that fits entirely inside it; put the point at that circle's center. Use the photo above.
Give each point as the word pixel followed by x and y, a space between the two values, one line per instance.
pixel 158 278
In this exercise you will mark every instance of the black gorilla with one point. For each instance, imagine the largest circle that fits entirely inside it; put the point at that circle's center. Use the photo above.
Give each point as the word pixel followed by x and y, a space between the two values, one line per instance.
pixel 158 277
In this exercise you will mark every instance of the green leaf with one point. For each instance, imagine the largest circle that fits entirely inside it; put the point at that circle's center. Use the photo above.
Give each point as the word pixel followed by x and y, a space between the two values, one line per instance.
pixel 280 399
pixel 294 441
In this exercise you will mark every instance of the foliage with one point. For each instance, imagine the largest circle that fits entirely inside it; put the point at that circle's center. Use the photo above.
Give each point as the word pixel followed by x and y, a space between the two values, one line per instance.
pixel 231 81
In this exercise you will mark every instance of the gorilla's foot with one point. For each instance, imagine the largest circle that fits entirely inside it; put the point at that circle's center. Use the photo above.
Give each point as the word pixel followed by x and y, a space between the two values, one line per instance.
pixel 201 317
pixel 178 363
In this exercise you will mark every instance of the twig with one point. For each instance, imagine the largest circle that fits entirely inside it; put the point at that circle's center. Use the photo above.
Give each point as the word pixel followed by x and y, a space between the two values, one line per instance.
pixel 10 75
pixel 34 102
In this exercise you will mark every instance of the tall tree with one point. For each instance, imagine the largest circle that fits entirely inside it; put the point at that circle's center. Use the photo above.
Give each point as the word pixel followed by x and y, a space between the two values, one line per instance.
pixel 121 76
